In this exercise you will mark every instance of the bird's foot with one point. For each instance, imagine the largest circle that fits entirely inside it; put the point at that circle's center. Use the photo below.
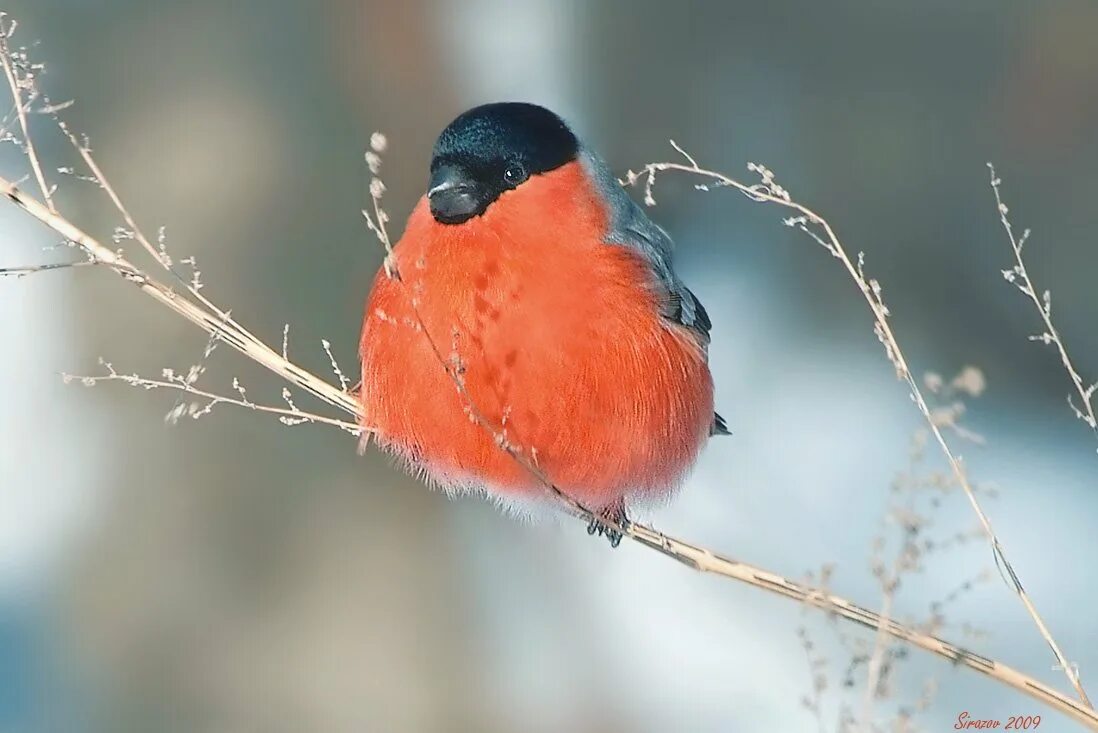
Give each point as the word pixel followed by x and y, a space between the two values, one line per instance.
pixel 615 514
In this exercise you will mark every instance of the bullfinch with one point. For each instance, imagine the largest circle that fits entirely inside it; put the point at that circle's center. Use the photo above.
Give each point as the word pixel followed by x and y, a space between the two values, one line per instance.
pixel 527 274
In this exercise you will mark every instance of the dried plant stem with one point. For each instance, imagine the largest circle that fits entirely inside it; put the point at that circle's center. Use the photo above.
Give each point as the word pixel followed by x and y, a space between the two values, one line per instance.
pixel 289 415
pixel 770 191
pixel 705 561
pixel 160 256
pixel 21 112
pixel 698 558
pixel 876 657
pixel 1019 276
pixel 18 272
pixel 212 323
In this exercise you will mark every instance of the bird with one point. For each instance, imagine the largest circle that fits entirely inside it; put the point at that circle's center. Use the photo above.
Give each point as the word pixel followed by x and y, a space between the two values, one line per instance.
pixel 529 326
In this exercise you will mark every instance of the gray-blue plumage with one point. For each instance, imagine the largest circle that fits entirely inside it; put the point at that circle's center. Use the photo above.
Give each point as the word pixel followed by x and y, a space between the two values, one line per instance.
pixel 631 227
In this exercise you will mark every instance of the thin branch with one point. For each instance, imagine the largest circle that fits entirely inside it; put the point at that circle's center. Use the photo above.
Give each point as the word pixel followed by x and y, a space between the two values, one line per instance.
pixel 17 95
pixel 816 666
pixel 18 272
pixel 344 382
pixel 200 311
pixel 181 383
pixel 159 252
pixel 880 649
pixel 1019 277
pixel 211 323
pixel 768 190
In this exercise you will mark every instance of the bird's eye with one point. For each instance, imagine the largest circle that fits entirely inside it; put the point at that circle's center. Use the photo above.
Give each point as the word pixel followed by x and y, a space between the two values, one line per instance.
pixel 514 175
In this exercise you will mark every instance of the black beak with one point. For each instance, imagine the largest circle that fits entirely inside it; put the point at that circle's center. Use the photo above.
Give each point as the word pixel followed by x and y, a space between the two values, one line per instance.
pixel 453 195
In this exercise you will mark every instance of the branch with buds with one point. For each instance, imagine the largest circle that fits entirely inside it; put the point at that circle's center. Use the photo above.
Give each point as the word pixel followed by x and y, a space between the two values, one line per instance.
pixel 767 190
pixel 1018 276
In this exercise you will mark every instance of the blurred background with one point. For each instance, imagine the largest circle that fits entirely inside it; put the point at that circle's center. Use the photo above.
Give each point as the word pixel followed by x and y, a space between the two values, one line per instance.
pixel 234 574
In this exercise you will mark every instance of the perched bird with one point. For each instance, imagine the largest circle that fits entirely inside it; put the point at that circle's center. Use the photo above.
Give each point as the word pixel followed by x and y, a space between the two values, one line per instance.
pixel 528 275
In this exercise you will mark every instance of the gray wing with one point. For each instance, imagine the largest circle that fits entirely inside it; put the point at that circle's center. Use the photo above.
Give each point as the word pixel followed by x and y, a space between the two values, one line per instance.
pixel 680 305
pixel 631 227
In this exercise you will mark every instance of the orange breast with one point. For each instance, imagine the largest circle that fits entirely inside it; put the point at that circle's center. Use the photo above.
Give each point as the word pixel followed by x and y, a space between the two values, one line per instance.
pixel 559 343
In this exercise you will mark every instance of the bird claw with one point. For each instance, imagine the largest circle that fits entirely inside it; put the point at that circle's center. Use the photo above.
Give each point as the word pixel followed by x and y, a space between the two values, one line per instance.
pixel 614 514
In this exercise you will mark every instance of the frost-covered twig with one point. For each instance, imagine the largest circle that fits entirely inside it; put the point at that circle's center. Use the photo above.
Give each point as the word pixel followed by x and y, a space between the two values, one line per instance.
pixel 17 272
pixel 18 81
pixel 912 518
pixel 811 223
pixel 172 380
pixel 1019 277
pixel 212 323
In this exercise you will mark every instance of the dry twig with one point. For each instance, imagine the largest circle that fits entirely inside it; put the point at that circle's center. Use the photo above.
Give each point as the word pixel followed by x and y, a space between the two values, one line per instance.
pixel 1019 277
pixel 17 85
pixel 769 191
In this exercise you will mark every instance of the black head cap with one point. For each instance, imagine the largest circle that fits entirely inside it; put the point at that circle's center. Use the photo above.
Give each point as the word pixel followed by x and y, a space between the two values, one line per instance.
pixel 491 149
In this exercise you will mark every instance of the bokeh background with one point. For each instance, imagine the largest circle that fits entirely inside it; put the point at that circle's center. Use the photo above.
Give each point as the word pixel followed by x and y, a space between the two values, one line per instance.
pixel 233 574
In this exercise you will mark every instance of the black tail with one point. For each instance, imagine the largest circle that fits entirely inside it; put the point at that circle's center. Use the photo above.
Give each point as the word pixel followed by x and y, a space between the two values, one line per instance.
pixel 719 427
